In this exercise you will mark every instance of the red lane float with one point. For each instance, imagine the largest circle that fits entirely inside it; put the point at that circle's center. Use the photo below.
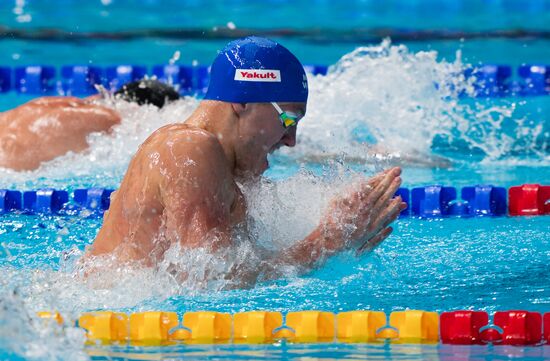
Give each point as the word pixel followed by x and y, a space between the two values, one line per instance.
pixel 462 327
pixel 529 200
pixel 519 327
pixel 546 323
pixel 510 328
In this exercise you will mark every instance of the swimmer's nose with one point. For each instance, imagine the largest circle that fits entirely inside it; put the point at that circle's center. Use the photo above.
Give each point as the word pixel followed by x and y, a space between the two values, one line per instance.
pixel 289 139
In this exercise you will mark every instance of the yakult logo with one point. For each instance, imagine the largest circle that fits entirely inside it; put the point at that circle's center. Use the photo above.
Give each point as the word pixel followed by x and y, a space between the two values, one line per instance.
pixel 267 75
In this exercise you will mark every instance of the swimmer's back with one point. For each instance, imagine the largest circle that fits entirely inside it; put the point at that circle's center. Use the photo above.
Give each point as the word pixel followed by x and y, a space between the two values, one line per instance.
pixel 48 127
pixel 170 171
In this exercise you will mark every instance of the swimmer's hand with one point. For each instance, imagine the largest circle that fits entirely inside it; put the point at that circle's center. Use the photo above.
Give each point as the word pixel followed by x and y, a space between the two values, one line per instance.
pixel 358 219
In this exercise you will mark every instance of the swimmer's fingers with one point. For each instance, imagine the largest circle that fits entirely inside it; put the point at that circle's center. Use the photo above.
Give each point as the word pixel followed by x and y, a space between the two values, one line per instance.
pixel 388 170
pixel 388 216
pixel 375 180
pixel 383 186
pixel 385 198
pixel 356 196
pixel 375 241
pixel 392 213
pixel 362 190
pixel 392 217
pixel 382 207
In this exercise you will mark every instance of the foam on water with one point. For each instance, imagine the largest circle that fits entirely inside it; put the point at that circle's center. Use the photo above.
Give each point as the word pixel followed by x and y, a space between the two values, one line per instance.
pixel 403 101
pixel 23 335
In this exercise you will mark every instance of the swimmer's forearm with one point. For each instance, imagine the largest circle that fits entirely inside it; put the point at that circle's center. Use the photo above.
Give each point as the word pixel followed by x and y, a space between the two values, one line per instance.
pixel 317 246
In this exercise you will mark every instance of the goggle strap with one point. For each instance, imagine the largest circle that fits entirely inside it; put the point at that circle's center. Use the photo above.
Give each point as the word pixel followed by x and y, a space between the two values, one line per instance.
pixel 277 107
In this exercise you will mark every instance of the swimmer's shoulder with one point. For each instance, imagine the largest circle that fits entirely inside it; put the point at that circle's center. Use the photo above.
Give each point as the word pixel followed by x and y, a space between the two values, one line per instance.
pixel 183 153
pixel 64 104
pixel 53 101
pixel 56 103
pixel 31 110
pixel 185 140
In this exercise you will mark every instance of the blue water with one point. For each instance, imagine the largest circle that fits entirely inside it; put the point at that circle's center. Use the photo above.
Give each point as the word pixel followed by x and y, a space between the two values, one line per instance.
pixel 437 265
pixel 467 14
pixel 327 20
pixel 320 351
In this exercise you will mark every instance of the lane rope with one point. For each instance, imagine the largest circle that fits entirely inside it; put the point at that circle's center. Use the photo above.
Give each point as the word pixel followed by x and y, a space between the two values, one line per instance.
pixel 465 327
pixel 433 201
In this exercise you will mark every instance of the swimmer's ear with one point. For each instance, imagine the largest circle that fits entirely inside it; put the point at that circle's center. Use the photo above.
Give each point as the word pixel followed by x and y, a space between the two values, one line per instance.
pixel 239 108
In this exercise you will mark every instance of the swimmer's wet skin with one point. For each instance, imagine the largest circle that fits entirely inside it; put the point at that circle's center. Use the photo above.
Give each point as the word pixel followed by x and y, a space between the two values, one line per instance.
pixel 48 127
pixel 181 186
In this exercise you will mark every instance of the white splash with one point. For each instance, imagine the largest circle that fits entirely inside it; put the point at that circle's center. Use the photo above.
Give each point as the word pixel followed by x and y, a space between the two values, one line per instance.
pixel 22 333
pixel 402 101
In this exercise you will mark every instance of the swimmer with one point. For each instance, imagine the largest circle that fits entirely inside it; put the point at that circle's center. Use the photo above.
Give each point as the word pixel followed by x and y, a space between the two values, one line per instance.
pixel 181 187
pixel 48 127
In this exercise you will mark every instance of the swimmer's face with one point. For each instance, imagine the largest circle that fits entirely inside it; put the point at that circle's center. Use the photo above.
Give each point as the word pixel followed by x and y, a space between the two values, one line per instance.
pixel 261 133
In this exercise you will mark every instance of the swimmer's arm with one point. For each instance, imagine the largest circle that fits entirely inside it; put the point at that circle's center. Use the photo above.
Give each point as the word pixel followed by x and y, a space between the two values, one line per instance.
pixel 310 250
pixel 303 256
pixel 411 157
pixel 378 154
pixel 194 192
pixel 317 246
pixel 358 218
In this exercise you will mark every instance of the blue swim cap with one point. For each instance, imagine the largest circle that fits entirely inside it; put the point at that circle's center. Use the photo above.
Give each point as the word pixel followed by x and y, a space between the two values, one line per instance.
pixel 257 70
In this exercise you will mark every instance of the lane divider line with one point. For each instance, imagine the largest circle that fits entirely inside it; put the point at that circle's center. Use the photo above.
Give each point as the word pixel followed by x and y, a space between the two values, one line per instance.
pixel 464 327
pixel 433 201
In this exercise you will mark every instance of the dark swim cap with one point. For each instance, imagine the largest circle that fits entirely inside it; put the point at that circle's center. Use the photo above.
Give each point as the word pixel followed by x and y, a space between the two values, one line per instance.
pixel 147 91
pixel 257 70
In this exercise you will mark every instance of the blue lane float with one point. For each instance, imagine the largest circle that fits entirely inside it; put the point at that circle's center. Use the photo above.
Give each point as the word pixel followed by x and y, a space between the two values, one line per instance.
pixel 44 200
pixel 94 199
pixel 118 75
pixel 484 200
pixel 404 193
pixel 180 76
pixel 203 79
pixel 37 79
pixel 5 79
pixel 52 201
pixel 535 79
pixel 490 80
pixel 438 201
pixel 9 201
pixel 316 69
pixel 432 201
pixel 81 79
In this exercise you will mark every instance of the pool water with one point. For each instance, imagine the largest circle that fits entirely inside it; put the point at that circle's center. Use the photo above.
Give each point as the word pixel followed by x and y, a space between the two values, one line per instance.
pixel 383 93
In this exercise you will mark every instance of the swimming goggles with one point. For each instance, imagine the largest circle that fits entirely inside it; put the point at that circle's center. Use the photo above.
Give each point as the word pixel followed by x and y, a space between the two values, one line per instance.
pixel 288 119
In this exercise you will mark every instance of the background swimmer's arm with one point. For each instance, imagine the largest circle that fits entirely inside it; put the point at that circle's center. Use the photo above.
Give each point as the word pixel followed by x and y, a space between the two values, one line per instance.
pixel 378 155
pixel 411 157
pixel 363 213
